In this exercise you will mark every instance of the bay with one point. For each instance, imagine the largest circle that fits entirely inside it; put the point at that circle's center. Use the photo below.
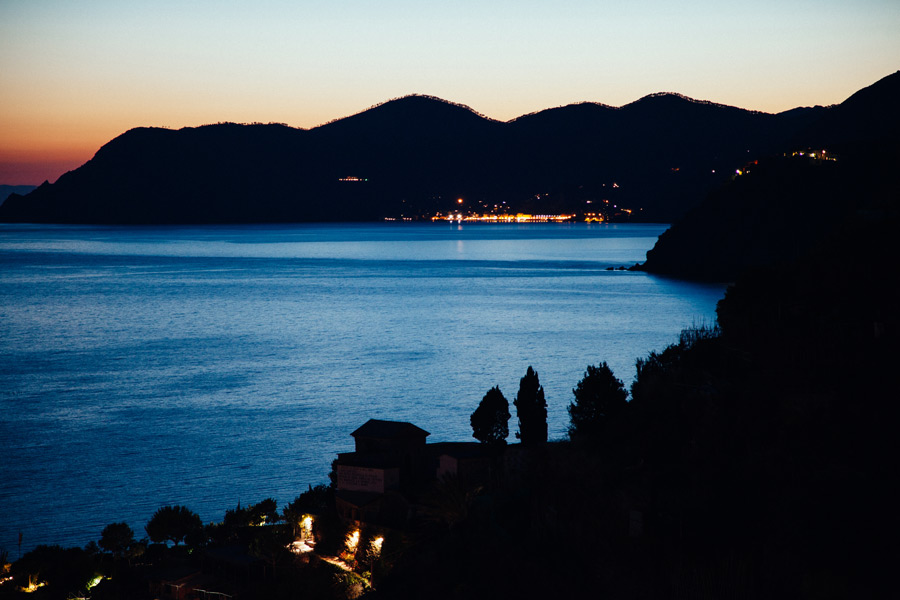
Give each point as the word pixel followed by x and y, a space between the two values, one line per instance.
pixel 212 365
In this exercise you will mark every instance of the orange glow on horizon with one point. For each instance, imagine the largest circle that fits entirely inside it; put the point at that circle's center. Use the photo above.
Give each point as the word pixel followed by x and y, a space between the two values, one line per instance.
pixel 31 153
pixel 18 172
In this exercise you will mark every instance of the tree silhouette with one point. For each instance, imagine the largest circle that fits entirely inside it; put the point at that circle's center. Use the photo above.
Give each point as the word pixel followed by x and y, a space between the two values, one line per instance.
pixel 531 409
pixel 265 511
pixel 116 538
pixel 316 500
pixel 490 421
pixel 173 523
pixel 598 396
pixel 271 544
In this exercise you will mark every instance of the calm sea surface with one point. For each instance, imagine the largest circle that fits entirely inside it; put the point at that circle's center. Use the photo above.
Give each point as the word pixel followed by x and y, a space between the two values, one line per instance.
pixel 210 365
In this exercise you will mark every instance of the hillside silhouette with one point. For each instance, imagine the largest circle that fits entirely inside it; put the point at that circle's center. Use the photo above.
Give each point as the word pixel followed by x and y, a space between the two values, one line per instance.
pixel 7 190
pixel 840 175
pixel 869 115
pixel 416 155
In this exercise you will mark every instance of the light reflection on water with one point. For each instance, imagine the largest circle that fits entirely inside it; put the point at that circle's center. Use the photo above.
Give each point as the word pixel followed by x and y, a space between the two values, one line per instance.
pixel 210 365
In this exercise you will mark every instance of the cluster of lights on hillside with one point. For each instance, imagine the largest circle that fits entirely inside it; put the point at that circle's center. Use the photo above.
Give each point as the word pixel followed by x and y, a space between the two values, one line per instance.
pixel 814 154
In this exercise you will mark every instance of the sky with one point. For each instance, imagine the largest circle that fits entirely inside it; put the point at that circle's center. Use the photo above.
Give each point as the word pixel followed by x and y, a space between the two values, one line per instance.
pixel 76 73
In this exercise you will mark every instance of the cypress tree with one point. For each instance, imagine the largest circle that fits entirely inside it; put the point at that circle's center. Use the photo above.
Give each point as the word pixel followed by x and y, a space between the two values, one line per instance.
pixel 531 409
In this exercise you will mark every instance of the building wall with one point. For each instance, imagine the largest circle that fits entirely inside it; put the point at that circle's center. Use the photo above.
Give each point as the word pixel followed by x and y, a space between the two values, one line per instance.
pixel 367 479
pixel 447 465
pixel 470 471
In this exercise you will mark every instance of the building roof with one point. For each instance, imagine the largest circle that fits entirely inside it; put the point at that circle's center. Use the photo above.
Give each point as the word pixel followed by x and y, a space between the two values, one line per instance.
pixel 374 428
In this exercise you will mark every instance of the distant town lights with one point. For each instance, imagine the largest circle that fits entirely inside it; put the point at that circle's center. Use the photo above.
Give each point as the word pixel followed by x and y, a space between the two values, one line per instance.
pixel 505 218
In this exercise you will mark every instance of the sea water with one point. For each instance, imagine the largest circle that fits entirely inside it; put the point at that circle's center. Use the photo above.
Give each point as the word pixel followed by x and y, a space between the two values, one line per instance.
pixel 206 366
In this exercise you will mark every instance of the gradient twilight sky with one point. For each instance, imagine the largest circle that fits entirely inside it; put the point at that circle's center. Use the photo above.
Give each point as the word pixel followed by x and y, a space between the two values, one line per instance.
pixel 76 73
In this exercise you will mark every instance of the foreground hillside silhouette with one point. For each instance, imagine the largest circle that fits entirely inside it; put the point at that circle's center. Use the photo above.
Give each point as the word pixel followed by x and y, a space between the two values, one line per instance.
pixel 758 461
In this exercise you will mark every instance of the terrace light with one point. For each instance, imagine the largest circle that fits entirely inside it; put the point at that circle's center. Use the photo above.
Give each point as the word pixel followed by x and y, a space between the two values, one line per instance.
pixel 353 541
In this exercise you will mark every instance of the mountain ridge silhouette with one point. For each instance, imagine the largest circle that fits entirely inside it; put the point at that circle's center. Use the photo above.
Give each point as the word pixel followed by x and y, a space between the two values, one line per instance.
pixel 415 155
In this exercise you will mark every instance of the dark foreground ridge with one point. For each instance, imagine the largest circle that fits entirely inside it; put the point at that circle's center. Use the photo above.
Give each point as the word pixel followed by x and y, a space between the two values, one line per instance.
pixel 415 156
